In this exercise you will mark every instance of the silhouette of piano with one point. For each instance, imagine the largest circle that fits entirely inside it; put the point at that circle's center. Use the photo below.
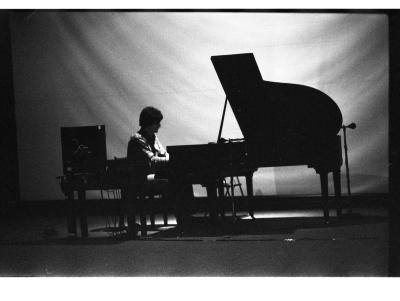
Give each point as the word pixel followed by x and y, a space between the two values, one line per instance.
pixel 282 124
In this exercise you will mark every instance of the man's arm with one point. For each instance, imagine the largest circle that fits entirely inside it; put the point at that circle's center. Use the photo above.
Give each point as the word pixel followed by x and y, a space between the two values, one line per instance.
pixel 162 151
pixel 140 151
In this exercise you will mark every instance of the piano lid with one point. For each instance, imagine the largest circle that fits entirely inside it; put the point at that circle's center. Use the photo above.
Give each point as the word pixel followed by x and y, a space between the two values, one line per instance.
pixel 237 71
pixel 269 112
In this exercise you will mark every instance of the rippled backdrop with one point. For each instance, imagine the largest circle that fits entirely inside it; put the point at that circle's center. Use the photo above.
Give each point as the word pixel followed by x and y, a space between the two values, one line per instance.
pixel 87 68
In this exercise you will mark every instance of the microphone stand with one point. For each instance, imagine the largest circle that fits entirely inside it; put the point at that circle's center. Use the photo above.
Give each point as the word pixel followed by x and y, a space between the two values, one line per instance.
pixel 344 127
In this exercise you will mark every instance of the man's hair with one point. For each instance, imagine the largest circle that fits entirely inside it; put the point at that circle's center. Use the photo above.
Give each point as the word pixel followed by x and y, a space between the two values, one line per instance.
pixel 149 116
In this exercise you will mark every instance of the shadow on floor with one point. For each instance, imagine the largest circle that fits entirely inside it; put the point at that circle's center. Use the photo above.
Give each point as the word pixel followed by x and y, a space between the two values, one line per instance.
pixel 200 228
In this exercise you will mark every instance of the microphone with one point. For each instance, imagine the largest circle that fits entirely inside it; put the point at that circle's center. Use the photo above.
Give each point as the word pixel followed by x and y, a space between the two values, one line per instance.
pixel 350 126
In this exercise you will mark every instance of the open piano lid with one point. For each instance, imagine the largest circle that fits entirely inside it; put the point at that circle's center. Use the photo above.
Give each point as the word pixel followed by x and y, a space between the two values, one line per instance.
pixel 242 81
pixel 270 112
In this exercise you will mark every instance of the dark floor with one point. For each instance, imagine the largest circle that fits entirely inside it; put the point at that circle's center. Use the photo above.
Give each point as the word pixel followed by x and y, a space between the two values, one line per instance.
pixel 287 243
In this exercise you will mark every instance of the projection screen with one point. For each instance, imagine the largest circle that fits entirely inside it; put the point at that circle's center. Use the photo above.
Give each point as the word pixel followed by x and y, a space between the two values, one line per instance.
pixel 89 68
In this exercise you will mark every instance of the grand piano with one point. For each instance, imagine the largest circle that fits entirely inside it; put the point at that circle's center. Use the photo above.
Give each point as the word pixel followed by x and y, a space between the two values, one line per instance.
pixel 282 124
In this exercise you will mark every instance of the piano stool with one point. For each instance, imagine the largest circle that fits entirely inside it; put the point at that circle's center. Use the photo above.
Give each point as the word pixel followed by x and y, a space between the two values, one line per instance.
pixel 139 199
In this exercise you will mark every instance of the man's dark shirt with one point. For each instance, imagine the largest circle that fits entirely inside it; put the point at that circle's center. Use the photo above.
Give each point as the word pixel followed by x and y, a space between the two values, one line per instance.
pixel 145 154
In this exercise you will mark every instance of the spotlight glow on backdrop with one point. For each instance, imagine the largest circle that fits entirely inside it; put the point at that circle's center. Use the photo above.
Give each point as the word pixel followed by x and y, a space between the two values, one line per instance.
pixel 86 68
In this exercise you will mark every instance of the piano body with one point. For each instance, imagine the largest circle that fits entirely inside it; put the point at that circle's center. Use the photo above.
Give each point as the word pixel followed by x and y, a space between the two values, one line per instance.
pixel 282 124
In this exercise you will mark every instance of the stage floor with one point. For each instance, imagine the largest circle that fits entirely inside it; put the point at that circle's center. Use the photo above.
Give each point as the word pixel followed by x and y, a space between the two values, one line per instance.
pixel 279 243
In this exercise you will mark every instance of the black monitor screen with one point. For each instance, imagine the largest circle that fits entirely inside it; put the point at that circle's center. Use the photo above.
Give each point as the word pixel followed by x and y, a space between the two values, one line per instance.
pixel 83 149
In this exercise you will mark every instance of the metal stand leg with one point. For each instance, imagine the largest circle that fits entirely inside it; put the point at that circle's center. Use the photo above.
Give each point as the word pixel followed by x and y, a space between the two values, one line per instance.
pixel 149 203
pixel 121 221
pixel 350 126
pixel 221 198
pixel 71 213
pixel 83 217
pixel 143 217
pixel 232 184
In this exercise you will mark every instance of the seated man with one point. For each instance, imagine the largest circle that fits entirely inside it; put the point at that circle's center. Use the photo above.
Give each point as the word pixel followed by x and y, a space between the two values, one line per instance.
pixel 149 160
pixel 145 151
pixel 145 156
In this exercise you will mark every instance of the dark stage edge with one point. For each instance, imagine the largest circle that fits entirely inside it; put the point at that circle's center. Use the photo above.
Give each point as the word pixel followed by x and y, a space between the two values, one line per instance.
pixel 280 243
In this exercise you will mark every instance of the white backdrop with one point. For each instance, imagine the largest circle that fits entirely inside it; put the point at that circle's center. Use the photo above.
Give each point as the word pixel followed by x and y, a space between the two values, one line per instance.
pixel 86 68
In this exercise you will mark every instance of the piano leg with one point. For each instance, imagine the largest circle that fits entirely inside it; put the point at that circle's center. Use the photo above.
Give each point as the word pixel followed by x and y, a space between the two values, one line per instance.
pixel 83 217
pixel 179 194
pixel 338 192
pixel 324 191
pixel 212 200
pixel 250 199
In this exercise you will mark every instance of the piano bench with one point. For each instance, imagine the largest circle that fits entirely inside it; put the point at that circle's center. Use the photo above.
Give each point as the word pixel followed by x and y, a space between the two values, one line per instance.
pixel 142 200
